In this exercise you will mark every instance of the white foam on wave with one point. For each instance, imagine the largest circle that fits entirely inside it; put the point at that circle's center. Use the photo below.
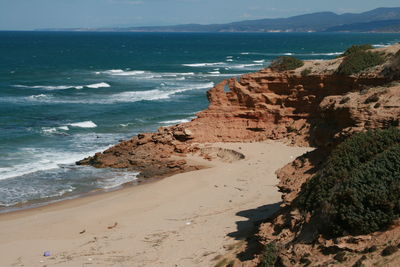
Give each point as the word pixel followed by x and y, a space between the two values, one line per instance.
pixel 229 60
pixel 203 64
pixel 155 94
pixel 41 96
pixel 53 130
pixel 259 61
pixel 42 160
pixel 46 87
pixel 36 159
pixel 183 73
pixel 141 74
pixel 98 85
pixel 114 71
pixel 126 124
pixel 244 66
pixel 381 45
pixel 322 54
pixel 74 178
pixel 84 124
pixel 173 122
pixel 118 180
pixel 124 72
pixel 295 54
pixel 175 76
pixel 64 87
pixel 64 128
pixel 165 91
pixel 134 96
pixel 49 130
pixel 214 72
pixel 245 53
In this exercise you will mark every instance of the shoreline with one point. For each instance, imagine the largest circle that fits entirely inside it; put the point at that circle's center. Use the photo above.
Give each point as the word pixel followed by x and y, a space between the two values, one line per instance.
pixel 41 203
pixel 184 219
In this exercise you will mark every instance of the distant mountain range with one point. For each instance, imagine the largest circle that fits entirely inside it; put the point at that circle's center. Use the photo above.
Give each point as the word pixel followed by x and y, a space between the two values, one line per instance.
pixel 377 20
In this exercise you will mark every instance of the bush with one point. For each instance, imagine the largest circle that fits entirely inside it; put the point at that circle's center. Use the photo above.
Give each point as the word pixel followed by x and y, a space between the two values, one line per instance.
pixel 356 49
pixel 269 255
pixel 286 63
pixel 358 61
pixel 357 191
pixel 306 72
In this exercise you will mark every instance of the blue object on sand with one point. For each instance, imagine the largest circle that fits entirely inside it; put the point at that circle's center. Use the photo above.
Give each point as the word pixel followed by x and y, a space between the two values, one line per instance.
pixel 47 254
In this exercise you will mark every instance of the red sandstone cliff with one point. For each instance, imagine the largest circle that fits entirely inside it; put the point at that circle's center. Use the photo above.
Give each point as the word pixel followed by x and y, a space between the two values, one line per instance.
pixel 320 109
pixel 317 109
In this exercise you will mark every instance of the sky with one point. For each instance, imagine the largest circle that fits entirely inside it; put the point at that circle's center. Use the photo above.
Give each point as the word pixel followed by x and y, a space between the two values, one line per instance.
pixel 38 14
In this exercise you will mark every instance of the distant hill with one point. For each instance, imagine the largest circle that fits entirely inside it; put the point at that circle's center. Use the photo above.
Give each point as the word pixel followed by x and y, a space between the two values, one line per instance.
pixel 377 20
pixel 373 26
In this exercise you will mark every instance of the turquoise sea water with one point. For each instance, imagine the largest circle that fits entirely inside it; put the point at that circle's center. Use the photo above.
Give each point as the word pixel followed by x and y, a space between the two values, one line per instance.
pixel 65 96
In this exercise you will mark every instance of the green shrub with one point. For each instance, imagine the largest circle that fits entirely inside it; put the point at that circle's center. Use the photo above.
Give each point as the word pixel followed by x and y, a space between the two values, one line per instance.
pixel 356 48
pixel 358 61
pixel 286 63
pixel 357 191
pixel 306 72
pixel 392 70
pixel 269 255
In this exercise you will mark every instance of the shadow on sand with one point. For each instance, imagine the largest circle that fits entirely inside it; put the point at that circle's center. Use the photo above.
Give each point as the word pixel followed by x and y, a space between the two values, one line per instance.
pixel 245 230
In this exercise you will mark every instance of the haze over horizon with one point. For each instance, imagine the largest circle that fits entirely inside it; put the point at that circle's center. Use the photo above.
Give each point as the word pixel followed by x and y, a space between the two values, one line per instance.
pixel 30 15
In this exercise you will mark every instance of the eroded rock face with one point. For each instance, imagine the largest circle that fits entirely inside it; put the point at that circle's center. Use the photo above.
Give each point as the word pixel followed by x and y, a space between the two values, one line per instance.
pixel 313 110
pixel 271 105
pixel 153 154
pixel 320 109
pixel 377 107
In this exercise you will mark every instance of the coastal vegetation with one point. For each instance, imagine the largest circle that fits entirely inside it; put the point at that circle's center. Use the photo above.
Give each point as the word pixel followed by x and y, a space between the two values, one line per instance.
pixel 356 49
pixel 357 191
pixel 358 58
pixel 269 256
pixel 306 72
pixel 286 63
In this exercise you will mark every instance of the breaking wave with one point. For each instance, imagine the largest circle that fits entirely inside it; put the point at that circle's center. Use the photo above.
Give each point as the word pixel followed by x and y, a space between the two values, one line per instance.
pixel 203 64
pixel 83 124
pixel 64 87
pixel 163 92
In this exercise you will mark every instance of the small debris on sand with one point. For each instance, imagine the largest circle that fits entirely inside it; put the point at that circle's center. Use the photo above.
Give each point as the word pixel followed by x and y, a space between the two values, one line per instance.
pixel 111 227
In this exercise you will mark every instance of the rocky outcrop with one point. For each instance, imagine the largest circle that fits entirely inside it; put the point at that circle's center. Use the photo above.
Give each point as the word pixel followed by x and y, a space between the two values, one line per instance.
pixel 271 105
pixel 259 106
pixel 153 154
pixel 319 109
pixel 347 114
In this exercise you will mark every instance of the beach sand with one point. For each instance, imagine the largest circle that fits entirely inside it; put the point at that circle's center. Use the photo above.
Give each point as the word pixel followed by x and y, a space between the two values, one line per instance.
pixel 183 220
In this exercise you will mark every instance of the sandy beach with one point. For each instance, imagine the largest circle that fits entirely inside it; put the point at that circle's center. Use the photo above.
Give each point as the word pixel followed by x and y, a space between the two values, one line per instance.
pixel 184 220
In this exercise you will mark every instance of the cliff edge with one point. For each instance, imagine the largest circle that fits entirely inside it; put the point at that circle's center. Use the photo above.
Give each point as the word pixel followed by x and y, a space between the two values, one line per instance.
pixel 312 105
pixel 319 108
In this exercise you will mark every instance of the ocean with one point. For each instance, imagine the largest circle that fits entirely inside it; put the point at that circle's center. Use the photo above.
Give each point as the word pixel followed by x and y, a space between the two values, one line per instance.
pixel 66 95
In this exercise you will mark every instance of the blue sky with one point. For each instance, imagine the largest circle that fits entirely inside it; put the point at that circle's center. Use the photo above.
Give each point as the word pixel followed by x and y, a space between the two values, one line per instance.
pixel 34 14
